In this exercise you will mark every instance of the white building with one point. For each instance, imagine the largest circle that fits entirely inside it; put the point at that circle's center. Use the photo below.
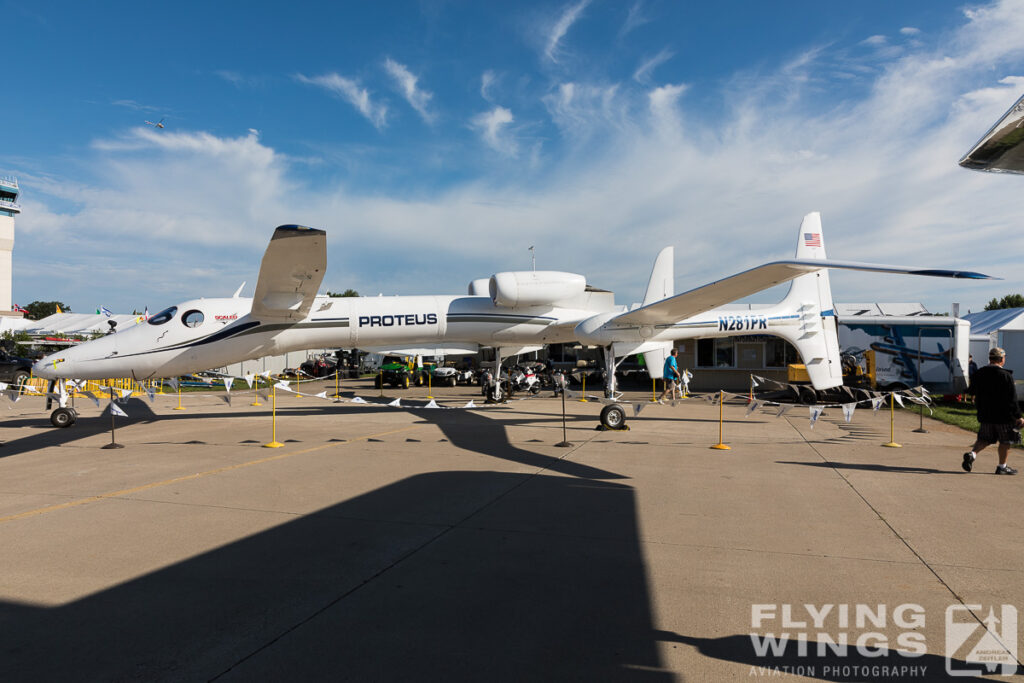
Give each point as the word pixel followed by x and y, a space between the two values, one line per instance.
pixel 9 208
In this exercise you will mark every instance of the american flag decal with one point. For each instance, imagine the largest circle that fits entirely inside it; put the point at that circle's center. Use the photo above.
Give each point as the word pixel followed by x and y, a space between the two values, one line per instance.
pixel 812 239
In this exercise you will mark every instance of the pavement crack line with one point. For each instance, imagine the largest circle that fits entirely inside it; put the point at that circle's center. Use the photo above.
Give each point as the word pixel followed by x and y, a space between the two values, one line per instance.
pixel 903 540
pixel 399 560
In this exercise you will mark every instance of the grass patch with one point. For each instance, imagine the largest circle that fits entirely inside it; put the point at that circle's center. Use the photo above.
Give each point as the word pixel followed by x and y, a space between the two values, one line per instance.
pixel 962 415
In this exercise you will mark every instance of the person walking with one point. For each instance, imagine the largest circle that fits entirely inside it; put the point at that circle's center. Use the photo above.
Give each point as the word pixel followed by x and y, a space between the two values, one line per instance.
pixel 999 416
pixel 670 375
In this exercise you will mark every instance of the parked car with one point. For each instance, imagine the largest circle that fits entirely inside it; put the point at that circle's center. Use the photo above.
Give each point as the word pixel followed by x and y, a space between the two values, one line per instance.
pixel 450 376
pixel 14 369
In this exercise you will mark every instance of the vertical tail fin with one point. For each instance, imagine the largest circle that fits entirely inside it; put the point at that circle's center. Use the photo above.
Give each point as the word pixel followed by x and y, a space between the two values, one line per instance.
pixel 810 296
pixel 661 286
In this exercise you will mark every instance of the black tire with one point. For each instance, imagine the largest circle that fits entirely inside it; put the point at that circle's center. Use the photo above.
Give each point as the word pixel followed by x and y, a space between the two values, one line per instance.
pixel 535 389
pixel 404 382
pixel 20 377
pixel 452 381
pixel 613 416
pixel 62 418
pixel 808 396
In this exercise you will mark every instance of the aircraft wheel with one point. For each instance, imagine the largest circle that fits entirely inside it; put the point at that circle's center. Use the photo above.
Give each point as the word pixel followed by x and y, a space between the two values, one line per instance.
pixel 613 416
pixel 63 417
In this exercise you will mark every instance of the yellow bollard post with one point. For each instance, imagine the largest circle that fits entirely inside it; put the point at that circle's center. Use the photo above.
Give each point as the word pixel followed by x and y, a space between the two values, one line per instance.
pixel 274 443
pixel 337 383
pixel 654 390
pixel 180 407
pixel 256 392
pixel 429 389
pixel 298 386
pixel 721 400
pixel 892 423
pixel 583 396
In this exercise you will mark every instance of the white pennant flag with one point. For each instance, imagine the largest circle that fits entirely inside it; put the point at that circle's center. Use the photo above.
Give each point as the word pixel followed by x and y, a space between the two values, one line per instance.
pixel 92 397
pixel 816 412
pixel 754 405
pixel 358 399
pixel 228 383
pixel 3 386
pixel 151 393
pixel 848 409
pixel 783 409
pixel 283 385
pixel 637 407
pixel 265 375
pixel 397 403
pixel 432 404
pixel 470 404
pixel 754 382
pixel 322 394
pixel 249 379
pixel 899 399
pixel 877 402
pixel 14 395
pixel 125 393
pixel 116 410
pixel 569 393
pixel 173 381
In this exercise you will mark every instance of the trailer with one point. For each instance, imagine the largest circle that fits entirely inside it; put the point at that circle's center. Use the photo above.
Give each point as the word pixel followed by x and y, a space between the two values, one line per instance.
pixel 930 351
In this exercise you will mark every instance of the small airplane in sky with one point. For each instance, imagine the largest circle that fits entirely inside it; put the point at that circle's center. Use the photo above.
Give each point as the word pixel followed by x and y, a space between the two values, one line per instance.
pixel 512 312
pixel 158 124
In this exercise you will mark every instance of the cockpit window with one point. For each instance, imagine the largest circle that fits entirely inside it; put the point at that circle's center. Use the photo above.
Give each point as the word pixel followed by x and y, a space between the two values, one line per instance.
pixel 163 316
pixel 192 318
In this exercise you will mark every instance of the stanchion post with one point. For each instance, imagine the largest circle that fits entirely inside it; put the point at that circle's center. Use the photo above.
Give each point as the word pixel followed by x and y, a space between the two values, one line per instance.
pixel 583 395
pixel 429 389
pixel 337 383
pixel 721 402
pixel 892 423
pixel 274 443
pixel 113 443
pixel 565 440
pixel 180 407
pixel 654 390
pixel 256 392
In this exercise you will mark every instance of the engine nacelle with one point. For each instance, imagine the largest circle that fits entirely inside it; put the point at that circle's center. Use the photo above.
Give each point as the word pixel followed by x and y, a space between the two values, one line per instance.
pixel 480 287
pixel 535 288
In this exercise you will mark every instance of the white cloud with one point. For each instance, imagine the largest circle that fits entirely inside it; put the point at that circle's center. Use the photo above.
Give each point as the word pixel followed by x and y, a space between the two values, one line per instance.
pixel 634 19
pixel 487 80
pixel 350 91
pixel 493 128
pixel 643 72
pixel 561 26
pixel 417 98
pixel 910 31
pixel 875 41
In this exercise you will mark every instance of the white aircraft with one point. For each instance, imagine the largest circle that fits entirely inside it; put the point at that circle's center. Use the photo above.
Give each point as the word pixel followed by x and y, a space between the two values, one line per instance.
pixel 513 312
pixel 158 124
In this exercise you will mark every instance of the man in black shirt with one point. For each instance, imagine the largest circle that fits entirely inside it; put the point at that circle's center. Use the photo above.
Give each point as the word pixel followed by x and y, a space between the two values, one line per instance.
pixel 998 413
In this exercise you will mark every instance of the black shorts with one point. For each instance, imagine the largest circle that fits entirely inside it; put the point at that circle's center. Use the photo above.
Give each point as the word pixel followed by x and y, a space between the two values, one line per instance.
pixel 990 432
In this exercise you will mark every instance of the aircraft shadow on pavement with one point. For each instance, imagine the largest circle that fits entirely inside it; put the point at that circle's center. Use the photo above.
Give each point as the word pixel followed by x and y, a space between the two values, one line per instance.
pixel 483 432
pixel 871 467
pixel 547 582
pixel 831 666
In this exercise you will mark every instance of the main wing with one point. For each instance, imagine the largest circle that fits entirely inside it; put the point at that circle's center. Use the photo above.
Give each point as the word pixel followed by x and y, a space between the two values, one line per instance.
pixel 1001 148
pixel 727 290
pixel 290 274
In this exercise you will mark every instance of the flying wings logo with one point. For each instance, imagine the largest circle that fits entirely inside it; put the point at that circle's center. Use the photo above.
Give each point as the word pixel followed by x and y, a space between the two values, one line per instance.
pixel 406 320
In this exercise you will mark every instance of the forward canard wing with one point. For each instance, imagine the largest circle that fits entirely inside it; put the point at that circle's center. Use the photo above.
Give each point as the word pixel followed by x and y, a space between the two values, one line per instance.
pixel 290 274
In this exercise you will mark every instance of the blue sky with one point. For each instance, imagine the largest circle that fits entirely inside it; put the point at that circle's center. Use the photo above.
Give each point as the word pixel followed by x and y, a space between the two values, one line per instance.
pixel 437 141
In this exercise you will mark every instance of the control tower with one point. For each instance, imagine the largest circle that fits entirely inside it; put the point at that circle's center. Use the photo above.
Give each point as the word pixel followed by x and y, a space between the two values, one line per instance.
pixel 9 208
